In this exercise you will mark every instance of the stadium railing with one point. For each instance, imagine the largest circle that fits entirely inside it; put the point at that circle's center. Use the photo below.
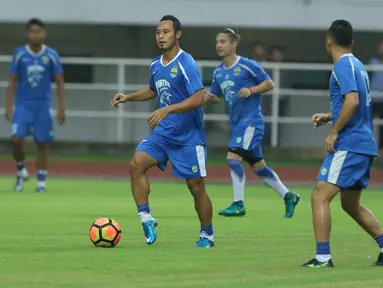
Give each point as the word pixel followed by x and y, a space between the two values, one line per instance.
pixel 121 85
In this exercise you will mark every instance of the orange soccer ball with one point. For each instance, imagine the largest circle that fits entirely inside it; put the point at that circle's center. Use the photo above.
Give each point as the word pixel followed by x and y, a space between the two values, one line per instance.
pixel 105 232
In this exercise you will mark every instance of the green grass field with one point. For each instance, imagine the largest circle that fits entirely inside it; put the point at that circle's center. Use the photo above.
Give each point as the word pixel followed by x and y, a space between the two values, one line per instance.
pixel 45 240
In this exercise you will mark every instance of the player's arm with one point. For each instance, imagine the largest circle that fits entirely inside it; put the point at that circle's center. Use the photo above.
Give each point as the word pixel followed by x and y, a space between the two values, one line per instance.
pixel 11 86
pixel 193 102
pixel 145 94
pixel 215 94
pixel 263 80
pixel 58 75
pixel 345 76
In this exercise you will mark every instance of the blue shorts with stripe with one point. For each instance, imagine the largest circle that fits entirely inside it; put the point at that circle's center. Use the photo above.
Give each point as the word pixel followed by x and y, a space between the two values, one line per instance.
pixel 347 170
pixel 188 162
pixel 248 138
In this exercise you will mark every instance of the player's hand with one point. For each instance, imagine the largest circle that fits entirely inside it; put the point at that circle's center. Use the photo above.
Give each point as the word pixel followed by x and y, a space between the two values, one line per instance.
pixel 9 114
pixel 61 117
pixel 158 115
pixel 319 119
pixel 330 142
pixel 244 93
pixel 208 96
pixel 119 98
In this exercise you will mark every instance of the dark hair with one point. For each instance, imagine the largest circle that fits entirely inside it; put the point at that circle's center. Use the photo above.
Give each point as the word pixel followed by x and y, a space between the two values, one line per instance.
pixel 341 31
pixel 233 33
pixel 35 21
pixel 176 22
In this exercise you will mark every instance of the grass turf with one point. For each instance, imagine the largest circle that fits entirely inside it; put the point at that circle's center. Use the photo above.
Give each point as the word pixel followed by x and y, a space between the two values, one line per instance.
pixel 45 240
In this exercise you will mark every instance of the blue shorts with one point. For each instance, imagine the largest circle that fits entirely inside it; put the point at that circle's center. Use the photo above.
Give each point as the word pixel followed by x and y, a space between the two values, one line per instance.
pixel 188 162
pixel 33 121
pixel 247 138
pixel 347 170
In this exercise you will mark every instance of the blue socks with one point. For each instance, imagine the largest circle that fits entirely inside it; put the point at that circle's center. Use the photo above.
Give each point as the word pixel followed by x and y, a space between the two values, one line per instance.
pixel 272 180
pixel 144 212
pixel 207 232
pixel 379 240
pixel 323 251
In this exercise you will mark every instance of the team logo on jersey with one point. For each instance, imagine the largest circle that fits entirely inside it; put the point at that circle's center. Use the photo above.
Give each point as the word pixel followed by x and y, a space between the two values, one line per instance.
pixel 174 71
pixel 238 140
pixel 194 169
pixel 45 59
pixel 35 74
pixel 323 171
pixel 237 71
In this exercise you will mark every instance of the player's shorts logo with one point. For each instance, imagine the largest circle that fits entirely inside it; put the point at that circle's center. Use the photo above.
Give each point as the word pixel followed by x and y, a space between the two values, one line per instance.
pixel 238 140
pixel 237 71
pixel 323 171
pixel 174 72
pixel 194 169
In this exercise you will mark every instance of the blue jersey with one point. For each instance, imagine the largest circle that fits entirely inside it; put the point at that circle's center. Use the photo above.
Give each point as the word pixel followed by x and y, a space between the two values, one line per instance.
pixel 174 83
pixel 34 74
pixel 227 82
pixel 349 75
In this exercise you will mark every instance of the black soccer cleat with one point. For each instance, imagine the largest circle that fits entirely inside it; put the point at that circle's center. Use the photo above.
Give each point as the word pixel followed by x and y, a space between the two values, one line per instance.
pixel 379 262
pixel 314 263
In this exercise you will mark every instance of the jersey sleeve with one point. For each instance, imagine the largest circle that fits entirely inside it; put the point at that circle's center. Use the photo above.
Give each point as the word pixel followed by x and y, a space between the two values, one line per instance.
pixel 191 75
pixel 215 88
pixel 256 71
pixel 151 78
pixel 57 68
pixel 344 73
pixel 14 63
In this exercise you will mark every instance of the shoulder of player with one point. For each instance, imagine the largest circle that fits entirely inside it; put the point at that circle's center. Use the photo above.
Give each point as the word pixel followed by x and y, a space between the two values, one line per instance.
pixel 155 61
pixel 50 50
pixel 345 63
pixel 186 58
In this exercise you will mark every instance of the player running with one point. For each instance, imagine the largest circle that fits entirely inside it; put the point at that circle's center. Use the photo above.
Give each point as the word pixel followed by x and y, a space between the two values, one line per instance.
pixel 351 146
pixel 241 81
pixel 31 72
pixel 178 133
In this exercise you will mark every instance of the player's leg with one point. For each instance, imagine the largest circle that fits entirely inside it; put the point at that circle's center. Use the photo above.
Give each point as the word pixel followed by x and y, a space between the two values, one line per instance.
pixel 350 200
pixel 43 134
pixel 238 177
pixel 321 197
pixel 21 122
pixel 364 217
pixel 340 171
pixel 255 159
pixel 148 153
pixel 189 162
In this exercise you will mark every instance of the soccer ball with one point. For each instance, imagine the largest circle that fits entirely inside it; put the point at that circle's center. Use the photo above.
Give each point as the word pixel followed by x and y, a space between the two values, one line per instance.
pixel 105 232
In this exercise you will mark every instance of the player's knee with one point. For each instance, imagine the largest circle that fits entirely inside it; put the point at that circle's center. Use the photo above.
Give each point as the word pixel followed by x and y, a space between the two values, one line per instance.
pixel 196 187
pixel 135 167
pixel 349 205
pixel 323 193
pixel 42 146
pixel 259 164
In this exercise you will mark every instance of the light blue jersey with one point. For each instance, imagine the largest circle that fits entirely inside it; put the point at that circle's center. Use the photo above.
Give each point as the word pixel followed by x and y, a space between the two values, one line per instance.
pixel 349 75
pixel 227 82
pixel 174 83
pixel 34 73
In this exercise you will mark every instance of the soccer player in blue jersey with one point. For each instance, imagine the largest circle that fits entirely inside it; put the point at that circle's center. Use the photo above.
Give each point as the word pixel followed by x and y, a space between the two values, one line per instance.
pixel 240 82
pixel 178 133
pixel 350 145
pixel 32 70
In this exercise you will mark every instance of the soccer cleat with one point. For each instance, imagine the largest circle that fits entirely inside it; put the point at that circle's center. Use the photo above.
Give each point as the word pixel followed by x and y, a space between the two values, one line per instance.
pixel 19 185
pixel 314 263
pixel 234 210
pixel 204 242
pixel 291 201
pixel 379 262
pixel 41 189
pixel 150 231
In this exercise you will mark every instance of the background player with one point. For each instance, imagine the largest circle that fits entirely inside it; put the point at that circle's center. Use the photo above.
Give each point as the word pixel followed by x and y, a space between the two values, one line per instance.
pixel 351 146
pixel 33 67
pixel 240 82
pixel 179 131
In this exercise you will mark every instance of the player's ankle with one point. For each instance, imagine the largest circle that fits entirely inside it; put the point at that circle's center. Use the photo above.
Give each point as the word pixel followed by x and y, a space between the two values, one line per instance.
pixel 41 184
pixel 207 232
pixel 323 258
pixel 323 251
